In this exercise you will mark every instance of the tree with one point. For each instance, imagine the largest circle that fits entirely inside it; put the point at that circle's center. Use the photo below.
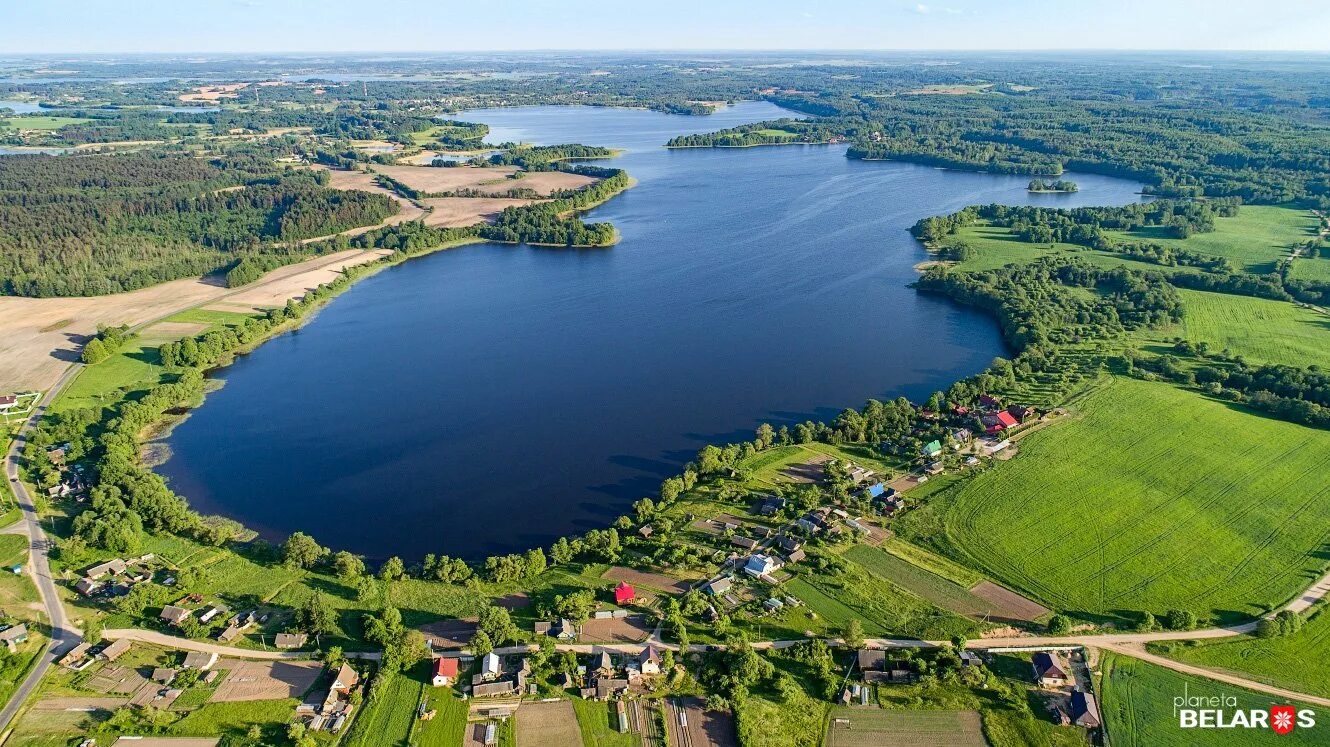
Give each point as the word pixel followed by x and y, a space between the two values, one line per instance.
pixel 393 569
pixel 301 551
pixel 92 630
pixel 1147 623
pixel 765 436
pixel 853 634
pixel 94 352
pixel 1059 625
pixel 316 616
pixel 481 644
pixel 348 567
pixel 561 552
pixel 1181 620
pixel 498 624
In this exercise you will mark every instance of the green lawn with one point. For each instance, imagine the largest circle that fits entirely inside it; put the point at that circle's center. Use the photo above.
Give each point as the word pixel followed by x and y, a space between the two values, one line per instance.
pixel 1296 662
pixel 1255 239
pixel 1147 501
pixel 449 723
pixel 1260 330
pixel 388 713
pixel 1137 707
pixel 600 725
pixel 16 590
pixel 135 368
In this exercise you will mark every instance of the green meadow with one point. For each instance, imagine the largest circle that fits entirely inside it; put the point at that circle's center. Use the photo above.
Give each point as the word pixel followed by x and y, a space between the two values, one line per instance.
pixel 1137 706
pixel 42 123
pixel 1258 329
pixel 1254 240
pixel 1145 502
pixel 1296 661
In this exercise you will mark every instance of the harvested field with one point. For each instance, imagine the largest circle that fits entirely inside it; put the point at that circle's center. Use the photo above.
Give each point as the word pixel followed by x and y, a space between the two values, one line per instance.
pixel 449 633
pixel 540 724
pixel 642 578
pixel 514 601
pixel 40 337
pixel 454 212
pixel 493 180
pixel 631 629
pixel 365 182
pixel 78 704
pixel 214 93
pixel 1009 605
pixel 875 728
pixel 165 331
pixel 265 680
pixel 810 471
pixel 689 724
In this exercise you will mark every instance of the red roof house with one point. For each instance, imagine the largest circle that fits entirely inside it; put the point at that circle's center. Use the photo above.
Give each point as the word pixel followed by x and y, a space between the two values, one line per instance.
pixel 445 671
pixel 623 593
pixel 999 422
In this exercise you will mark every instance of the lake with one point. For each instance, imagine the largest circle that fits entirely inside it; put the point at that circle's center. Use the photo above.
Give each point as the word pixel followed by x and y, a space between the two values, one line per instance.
pixel 491 398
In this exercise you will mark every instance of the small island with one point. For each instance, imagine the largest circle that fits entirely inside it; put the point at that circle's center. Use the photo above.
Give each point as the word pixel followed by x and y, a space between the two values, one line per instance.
pixel 1061 185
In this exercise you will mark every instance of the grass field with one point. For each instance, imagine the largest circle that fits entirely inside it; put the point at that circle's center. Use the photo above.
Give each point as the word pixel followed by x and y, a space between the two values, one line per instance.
pixel 448 724
pixel 42 123
pixel 15 589
pixel 387 715
pixel 1255 239
pixel 1317 269
pixel 1137 706
pixel 1146 502
pixel 883 608
pixel 935 589
pixel 764 722
pixel 932 562
pixel 1296 662
pixel 1260 330
pixel 600 725
pixel 859 727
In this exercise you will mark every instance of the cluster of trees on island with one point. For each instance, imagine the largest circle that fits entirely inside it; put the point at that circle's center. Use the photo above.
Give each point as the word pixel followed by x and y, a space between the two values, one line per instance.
pixel 1054 185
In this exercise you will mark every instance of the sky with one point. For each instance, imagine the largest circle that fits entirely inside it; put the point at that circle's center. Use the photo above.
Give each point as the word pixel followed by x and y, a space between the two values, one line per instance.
pixel 203 26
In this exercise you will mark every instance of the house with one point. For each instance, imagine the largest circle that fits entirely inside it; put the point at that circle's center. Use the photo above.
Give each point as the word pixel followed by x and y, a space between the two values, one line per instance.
pixel 211 612
pixel 871 660
pixel 607 687
pixel 994 446
pixel 491 667
pixel 788 543
pixel 445 671
pixel 115 650
pixel 962 436
pixel 999 422
pixel 649 660
pixel 759 565
pixel 604 663
pixel 344 681
pixel 14 635
pixel 747 543
pixel 1020 413
pixel 75 655
pixel 87 587
pixel 858 524
pixel 113 567
pixel 542 627
pixel 771 506
pixel 8 401
pixel 233 632
pixel 934 468
pixel 175 615
pixel 971 461
pixel 163 675
pixel 719 586
pixel 861 475
pixel 1048 670
pixel 492 689
pixel 1084 710
pixel 988 402
pixel 646 531
pixel 290 640
pixel 566 630
pixel 876 490
pixel 624 593
pixel 773 604
pixel 970 659
pixel 200 660
pixel 795 556
pixel 932 448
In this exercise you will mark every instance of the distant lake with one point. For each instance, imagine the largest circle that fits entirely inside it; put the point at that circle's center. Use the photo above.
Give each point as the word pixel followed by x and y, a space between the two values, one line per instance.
pixel 19 107
pixel 491 398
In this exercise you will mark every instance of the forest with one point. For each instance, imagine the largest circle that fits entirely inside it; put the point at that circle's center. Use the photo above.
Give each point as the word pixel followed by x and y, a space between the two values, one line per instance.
pixel 92 225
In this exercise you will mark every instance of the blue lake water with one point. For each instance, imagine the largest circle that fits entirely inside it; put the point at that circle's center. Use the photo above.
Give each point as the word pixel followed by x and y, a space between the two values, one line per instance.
pixel 491 398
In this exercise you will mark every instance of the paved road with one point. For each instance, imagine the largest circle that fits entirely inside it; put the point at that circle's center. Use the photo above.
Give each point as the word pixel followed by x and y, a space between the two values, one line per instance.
pixel 63 637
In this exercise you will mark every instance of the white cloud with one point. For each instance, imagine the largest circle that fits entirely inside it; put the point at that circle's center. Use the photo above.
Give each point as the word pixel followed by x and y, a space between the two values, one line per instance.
pixel 922 9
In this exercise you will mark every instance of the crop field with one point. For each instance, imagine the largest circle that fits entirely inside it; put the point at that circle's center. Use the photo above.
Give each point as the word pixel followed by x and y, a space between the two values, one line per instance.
pixel 1260 330
pixel 1307 268
pixel 491 180
pixel 930 586
pixel 882 607
pixel 689 724
pixel 266 680
pixel 1254 240
pixel 1137 707
pixel 385 719
pixel 1146 503
pixel 858 727
pixel 600 725
pixel 539 724
pixel 1296 662
pixel 41 123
